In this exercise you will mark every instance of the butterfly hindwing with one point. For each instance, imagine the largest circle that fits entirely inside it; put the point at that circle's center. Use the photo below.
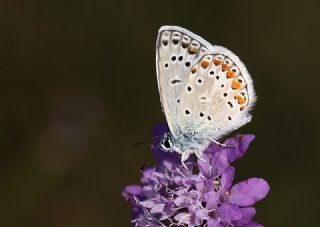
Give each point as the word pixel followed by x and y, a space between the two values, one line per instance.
pixel 219 97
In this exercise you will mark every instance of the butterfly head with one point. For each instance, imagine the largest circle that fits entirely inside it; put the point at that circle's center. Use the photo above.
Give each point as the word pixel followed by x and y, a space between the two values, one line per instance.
pixel 182 144
pixel 167 143
pixel 170 143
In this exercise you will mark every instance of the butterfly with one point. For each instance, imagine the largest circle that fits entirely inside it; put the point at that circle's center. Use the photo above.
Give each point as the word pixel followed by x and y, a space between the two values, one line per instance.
pixel 205 91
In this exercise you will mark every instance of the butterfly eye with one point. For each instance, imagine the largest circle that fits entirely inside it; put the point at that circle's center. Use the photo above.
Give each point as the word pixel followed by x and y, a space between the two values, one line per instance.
pixel 166 144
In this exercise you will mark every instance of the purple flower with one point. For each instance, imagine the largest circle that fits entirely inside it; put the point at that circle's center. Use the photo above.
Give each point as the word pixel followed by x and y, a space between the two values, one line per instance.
pixel 199 195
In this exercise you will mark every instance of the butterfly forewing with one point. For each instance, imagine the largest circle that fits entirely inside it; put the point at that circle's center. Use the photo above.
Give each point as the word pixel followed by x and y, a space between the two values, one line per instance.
pixel 177 51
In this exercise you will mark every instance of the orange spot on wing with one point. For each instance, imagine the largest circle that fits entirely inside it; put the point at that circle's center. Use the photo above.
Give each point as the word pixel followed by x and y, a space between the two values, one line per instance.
pixel 192 50
pixel 217 62
pixel 235 84
pixel 205 64
pixel 242 108
pixel 225 67
pixel 230 74
pixel 193 70
pixel 240 99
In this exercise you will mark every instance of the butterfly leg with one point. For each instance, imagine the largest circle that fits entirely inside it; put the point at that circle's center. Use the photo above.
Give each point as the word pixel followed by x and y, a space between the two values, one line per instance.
pixel 221 144
pixel 198 153
pixel 184 156
pixel 184 165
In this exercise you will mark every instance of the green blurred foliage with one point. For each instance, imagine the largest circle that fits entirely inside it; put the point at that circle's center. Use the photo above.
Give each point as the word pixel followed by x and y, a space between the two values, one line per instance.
pixel 78 87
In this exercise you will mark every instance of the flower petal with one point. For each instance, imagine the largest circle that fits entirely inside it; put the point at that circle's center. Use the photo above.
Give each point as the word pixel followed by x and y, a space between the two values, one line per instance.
pixel 216 160
pixel 205 167
pixel 133 190
pixel 238 146
pixel 247 193
pixel 213 148
pixel 179 201
pixel 136 212
pixel 214 223
pixel 132 193
pixel 247 214
pixel 212 199
pixel 200 186
pixel 183 218
pixel 229 212
pixel 148 203
pixel 146 174
pixel 219 161
pixel 252 224
pixel 200 215
pixel 158 208
pixel 227 178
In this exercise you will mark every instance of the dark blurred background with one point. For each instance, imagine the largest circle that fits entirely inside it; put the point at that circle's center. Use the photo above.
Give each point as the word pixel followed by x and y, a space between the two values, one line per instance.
pixel 78 87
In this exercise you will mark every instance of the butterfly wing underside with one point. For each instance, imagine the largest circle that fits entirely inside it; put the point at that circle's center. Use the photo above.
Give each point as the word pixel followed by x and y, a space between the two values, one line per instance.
pixel 205 90
pixel 177 51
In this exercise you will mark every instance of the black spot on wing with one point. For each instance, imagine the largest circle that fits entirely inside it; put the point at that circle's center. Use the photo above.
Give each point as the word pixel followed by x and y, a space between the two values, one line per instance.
pixel 176 81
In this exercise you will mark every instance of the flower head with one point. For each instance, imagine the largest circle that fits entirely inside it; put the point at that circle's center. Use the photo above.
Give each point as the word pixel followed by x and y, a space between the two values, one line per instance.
pixel 199 195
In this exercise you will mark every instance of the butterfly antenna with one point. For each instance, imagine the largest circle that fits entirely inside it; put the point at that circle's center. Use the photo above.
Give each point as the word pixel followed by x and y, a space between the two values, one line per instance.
pixel 141 142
